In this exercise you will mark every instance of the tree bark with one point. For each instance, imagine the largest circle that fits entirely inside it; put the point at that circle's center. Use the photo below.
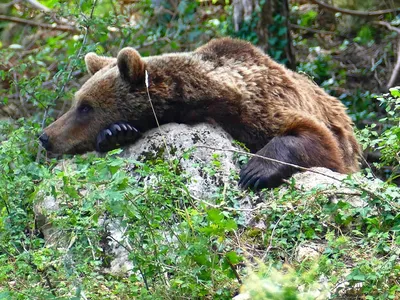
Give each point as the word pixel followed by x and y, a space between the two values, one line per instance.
pixel 271 16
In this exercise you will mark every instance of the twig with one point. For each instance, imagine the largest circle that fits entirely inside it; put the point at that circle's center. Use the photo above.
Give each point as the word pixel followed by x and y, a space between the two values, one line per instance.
pixel 78 55
pixel 235 272
pixel 63 28
pixel 151 43
pixel 40 147
pixel 91 248
pixel 312 29
pixel 270 159
pixel 61 91
pixel 40 271
pixel 6 205
pixel 388 26
pixel 396 68
pixel 155 115
pixel 356 12
pixel 225 208
pixel 38 5
pixel 273 232
pixel 138 265
pixel 371 193
pixel 21 100
pixel 6 5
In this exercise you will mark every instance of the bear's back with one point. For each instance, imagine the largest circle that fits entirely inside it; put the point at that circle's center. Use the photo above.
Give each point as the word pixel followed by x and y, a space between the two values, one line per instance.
pixel 262 77
pixel 231 49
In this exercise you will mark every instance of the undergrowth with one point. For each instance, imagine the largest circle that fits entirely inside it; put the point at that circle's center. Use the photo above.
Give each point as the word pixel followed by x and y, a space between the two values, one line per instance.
pixel 179 246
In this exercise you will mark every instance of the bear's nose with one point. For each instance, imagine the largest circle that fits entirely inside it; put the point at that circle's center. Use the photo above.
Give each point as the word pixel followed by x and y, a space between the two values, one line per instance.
pixel 44 139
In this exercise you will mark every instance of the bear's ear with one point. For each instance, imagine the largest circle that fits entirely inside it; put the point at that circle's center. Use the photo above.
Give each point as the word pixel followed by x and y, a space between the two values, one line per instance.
pixel 95 63
pixel 130 65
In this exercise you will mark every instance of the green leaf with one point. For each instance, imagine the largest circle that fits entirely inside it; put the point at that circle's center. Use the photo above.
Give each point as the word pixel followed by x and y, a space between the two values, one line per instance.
pixel 215 215
pixel 233 257
pixel 395 92
pixel 5 295
pixel 356 275
pixel 230 225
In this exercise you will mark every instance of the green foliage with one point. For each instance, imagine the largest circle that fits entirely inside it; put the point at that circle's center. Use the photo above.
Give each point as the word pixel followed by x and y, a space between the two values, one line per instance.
pixel 365 36
pixel 371 228
pixel 389 141
pixel 386 139
pixel 308 18
pixel 277 31
pixel 322 69
pixel 180 246
pixel 329 74
pixel 273 284
pixel 278 41
pixel 165 231
pixel 361 105
pixel 364 234
pixel 248 28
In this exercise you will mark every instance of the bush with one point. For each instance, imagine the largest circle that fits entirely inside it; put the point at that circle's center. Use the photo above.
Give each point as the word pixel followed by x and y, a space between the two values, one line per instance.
pixel 386 139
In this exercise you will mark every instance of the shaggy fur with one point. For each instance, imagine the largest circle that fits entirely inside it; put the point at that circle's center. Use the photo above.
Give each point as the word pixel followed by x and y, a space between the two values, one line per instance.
pixel 271 109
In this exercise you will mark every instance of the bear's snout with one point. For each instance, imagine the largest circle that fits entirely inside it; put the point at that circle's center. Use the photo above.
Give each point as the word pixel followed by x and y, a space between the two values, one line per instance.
pixel 45 141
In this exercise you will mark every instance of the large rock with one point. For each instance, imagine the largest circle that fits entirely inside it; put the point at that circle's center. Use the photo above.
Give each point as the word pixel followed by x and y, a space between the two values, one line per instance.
pixel 172 141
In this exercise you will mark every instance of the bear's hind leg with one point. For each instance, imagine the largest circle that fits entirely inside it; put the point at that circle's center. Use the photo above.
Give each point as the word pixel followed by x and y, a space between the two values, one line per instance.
pixel 305 142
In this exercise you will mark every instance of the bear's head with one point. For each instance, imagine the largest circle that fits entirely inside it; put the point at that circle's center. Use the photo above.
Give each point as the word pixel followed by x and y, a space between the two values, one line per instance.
pixel 101 101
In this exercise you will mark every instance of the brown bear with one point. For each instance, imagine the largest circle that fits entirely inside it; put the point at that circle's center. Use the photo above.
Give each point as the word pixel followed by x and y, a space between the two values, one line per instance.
pixel 275 112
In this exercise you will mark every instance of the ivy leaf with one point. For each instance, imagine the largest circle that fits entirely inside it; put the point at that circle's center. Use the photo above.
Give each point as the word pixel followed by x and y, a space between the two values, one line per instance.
pixel 233 257
pixel 395 92
pixel 356 275
pixel 215 215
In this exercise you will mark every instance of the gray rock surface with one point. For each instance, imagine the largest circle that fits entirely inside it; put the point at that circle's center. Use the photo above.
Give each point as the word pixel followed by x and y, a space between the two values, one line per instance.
pixel 332 183
pixel 179 138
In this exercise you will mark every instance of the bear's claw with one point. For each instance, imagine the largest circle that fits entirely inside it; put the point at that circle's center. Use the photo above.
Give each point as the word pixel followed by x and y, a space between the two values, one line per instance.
pixel 116 135
pixel 258 174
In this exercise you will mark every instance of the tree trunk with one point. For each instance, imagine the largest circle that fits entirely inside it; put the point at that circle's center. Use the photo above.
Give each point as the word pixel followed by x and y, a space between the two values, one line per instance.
pixel 265 23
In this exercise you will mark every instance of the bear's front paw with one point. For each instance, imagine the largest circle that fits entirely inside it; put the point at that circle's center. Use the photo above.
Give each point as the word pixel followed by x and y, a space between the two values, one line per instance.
pixel 259 173
pixel 116 135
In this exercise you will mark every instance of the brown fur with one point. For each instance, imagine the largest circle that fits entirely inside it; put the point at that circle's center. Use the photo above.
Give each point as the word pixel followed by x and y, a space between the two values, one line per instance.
pixel 226 81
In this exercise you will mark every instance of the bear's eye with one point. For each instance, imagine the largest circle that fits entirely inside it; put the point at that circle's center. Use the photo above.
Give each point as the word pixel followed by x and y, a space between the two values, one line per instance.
pixel 84 108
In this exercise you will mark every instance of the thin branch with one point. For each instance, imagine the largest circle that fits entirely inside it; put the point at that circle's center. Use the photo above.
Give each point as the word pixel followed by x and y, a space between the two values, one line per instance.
pixel 64 28
pixel 40 271
pixel 155 115
pixel 356 12
pixel 85 37
pixel 6 205
pixel 273 232
pixel 371 193
pixel 38 5
pixel 270 159
pixel 396 68
pixel 6 5
pixel 312 29
pixel 388 26
pixel 61 91
pixel 235 272
pixel 138 265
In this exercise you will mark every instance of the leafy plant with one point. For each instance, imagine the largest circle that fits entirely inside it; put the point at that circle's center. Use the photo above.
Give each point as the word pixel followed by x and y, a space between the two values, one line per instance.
pixel 387 139
pixel 273 284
